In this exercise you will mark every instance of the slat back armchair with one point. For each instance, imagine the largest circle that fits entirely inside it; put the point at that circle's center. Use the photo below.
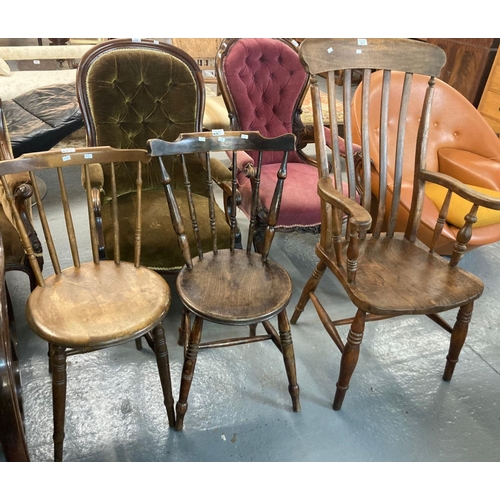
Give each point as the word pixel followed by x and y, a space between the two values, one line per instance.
pixel 232 286
pixel 385 274
pixel 82 303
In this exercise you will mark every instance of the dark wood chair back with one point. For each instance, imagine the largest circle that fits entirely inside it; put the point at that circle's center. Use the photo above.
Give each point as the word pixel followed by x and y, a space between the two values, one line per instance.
pixel 206 144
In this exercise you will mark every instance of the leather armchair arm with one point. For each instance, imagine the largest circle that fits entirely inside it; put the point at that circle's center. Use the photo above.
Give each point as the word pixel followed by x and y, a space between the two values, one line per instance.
pixel 461 189
pixel 470 168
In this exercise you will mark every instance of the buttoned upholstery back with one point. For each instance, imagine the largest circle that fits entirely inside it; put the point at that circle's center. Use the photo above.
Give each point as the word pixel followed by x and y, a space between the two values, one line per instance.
pixel 134 91
pixel 266 82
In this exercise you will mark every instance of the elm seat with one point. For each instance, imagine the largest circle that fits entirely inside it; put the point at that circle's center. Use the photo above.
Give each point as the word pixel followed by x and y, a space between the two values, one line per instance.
pixel 42 117
pixel 130 92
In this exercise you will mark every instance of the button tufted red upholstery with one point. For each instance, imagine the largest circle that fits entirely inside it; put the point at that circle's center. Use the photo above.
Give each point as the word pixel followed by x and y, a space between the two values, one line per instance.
pixel 263 84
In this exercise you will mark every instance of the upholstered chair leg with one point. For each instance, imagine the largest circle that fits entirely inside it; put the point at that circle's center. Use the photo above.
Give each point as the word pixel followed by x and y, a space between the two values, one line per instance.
pixel 161 353
pixel 458 336
pixel 138 344
pixel 289 358
pixel 349 357
pixel 58 357
pixel 309 288
pixel 188 371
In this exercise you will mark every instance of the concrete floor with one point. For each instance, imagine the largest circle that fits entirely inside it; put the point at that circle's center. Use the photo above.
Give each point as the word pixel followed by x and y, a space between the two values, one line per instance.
pixel 398 409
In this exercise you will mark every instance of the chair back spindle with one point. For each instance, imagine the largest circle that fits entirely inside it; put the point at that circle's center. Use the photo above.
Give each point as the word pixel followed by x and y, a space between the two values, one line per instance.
pixel 59 161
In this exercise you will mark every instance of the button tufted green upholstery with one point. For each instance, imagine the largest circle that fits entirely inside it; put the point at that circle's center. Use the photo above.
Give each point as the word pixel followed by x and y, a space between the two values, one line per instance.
pixel 132 91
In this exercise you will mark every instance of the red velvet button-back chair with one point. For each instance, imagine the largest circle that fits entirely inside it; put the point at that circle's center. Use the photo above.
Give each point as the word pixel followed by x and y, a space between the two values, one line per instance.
pixel 263 85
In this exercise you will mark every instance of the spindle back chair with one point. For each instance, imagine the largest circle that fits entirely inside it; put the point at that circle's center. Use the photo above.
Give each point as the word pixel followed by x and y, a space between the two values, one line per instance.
pixel 385 274
pixel 83 303
pixel 231 286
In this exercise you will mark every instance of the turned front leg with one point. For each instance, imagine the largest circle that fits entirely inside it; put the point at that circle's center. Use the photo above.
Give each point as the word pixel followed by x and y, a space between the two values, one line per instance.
pixel 350 357
pixel 58 363
pixel 289 358
pixel 458 336
pixel 188 371
pixel 162 361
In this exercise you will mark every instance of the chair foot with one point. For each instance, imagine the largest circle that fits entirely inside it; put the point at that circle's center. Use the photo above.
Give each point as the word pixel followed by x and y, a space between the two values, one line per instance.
pixel 161 352
pixel 339 397
pixel 190 356
pixel 181 409
pixel 138 344
pixel 458 336
pixel 289 359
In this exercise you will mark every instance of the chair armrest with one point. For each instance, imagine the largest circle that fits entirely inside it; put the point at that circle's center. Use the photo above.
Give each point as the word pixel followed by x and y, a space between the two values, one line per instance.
pixel 359 217
pixel 469 168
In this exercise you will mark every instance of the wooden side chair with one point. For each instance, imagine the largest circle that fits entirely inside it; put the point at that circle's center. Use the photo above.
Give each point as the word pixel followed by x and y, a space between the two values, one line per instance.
pixel 131 91
pixel 12 432
pixel 234 287
pixel 385 274
pixel 84 303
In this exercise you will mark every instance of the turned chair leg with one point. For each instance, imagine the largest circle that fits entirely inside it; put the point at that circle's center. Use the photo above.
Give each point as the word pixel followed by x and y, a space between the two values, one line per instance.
pixel 289 358
pixel 188 371
pixel 458 336
pixel 350 356
pixel 184 329
pixel 58 362
pixel 309 288
pixel 161 353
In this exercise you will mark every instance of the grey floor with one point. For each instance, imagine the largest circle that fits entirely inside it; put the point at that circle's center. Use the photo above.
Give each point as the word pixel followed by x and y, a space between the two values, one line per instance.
pixel 398 409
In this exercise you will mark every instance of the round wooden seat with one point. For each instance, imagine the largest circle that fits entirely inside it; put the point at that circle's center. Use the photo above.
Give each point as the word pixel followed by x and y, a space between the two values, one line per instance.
pixel 98 305
pixel 222 287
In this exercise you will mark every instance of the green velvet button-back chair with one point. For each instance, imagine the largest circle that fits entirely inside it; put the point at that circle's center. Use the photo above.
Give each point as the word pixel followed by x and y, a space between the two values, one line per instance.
pixel 131 91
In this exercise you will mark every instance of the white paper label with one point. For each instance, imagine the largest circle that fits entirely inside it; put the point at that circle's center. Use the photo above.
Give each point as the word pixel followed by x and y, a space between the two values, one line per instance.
pixel 218 131
pixel 66 158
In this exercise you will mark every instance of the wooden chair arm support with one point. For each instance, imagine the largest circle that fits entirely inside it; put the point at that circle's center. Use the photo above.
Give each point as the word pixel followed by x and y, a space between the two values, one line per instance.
pixel 470 168
pixel 461 189
pixel 96 176
pixel 359 217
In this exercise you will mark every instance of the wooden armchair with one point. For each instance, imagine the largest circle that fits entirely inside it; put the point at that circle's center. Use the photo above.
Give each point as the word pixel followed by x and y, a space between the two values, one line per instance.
pixel 131 91
pixel 20 186
pixel 461 144
pixel 83 303
pixel 387 273
pixel 232 287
